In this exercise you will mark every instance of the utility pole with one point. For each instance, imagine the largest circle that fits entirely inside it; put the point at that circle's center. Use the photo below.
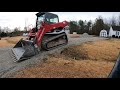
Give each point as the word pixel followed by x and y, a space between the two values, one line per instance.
pixel 26 24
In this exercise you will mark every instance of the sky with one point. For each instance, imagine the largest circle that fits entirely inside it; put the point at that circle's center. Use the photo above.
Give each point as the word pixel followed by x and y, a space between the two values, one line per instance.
pixel 20 19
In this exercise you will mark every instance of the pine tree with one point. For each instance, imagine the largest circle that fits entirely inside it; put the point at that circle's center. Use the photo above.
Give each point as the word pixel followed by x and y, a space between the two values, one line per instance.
pixel 98 26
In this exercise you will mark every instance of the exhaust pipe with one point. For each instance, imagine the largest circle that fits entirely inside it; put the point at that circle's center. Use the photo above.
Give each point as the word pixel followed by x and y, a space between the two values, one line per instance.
pixel 24 49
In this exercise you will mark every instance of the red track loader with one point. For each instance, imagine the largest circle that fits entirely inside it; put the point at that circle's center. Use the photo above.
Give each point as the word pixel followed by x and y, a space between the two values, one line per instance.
pixel 49 33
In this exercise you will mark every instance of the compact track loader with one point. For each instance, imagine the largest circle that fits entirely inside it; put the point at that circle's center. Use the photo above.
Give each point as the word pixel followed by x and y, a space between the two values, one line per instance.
pixel 48 34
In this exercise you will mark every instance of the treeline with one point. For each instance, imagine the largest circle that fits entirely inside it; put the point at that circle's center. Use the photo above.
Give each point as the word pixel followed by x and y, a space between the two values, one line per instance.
pixel 16 32
pixel 93 28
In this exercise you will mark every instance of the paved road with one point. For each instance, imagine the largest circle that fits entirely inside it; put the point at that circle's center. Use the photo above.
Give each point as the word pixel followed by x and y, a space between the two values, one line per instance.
pixel 7 65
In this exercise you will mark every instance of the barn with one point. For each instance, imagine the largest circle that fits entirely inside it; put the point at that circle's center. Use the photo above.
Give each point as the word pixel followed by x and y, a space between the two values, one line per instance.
pixel 103 33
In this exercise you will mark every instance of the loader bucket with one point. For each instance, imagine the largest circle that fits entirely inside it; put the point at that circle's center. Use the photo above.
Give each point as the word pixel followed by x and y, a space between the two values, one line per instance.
pixel 24 49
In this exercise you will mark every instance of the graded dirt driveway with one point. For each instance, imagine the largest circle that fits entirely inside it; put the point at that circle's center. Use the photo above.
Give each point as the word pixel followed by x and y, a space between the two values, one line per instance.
pixel 7 64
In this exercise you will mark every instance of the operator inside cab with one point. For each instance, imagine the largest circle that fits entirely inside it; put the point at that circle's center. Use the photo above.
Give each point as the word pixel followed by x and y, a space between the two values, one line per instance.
pixel 40 20
pixel 47 18
pixel 51 18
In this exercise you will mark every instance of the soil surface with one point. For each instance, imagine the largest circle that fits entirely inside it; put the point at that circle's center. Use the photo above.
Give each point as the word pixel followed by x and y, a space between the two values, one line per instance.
pixel 8 66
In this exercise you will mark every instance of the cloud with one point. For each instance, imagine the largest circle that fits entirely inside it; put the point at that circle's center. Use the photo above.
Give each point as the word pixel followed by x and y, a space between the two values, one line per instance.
pixel 16 19
pixel 85 15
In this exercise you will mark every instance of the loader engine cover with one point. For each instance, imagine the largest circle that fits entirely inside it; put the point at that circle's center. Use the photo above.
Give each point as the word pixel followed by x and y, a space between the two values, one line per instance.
pixel 24 49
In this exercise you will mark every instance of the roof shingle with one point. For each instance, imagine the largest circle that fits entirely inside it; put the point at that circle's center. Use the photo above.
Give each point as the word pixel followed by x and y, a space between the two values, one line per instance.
pixel 116 28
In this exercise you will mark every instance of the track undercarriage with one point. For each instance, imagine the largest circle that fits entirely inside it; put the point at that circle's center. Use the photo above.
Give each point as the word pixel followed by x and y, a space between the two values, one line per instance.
pixel 51 41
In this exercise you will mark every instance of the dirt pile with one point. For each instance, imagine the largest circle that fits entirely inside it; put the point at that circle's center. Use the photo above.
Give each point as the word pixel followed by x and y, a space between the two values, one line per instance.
pixel 85 35
pixel 74 35
pixel 75 53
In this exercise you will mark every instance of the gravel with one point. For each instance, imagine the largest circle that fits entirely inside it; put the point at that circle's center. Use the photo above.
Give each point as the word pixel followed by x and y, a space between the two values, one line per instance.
pixel 85 35
pixel 8 66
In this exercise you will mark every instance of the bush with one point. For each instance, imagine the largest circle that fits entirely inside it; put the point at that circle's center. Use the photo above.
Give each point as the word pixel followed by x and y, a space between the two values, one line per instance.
pixel 3 34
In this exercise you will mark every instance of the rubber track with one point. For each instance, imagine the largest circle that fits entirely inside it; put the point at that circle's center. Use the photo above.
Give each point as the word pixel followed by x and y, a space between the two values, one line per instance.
pixel 44 43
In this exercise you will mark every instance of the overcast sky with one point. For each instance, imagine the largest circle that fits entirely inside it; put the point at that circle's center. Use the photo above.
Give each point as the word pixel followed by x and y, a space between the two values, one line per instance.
pixel 17 19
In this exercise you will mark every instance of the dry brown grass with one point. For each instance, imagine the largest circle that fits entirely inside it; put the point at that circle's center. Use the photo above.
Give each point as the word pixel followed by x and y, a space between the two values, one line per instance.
pixel 9 41
pixel 74 35
pixel 4 43
pixel 14 40
pixel 96 61
pixel 105 50
pixel 61 68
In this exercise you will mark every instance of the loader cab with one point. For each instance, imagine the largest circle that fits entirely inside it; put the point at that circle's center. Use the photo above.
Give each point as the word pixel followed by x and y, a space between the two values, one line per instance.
pixel 51 18
pixel 45 18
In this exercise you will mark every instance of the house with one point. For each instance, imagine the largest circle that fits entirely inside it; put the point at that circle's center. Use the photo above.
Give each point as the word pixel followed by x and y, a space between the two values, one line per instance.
pixel 114 31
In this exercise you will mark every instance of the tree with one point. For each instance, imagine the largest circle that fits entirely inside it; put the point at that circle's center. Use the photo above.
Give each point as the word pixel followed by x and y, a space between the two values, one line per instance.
pixel 81 23
pixel 89 24
pixel 16 29
pixel 113 21
pixel 3 34
pixel 16 32
pixel 119 20
pixel 82 26
pixel 73 27
pixel 98 26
